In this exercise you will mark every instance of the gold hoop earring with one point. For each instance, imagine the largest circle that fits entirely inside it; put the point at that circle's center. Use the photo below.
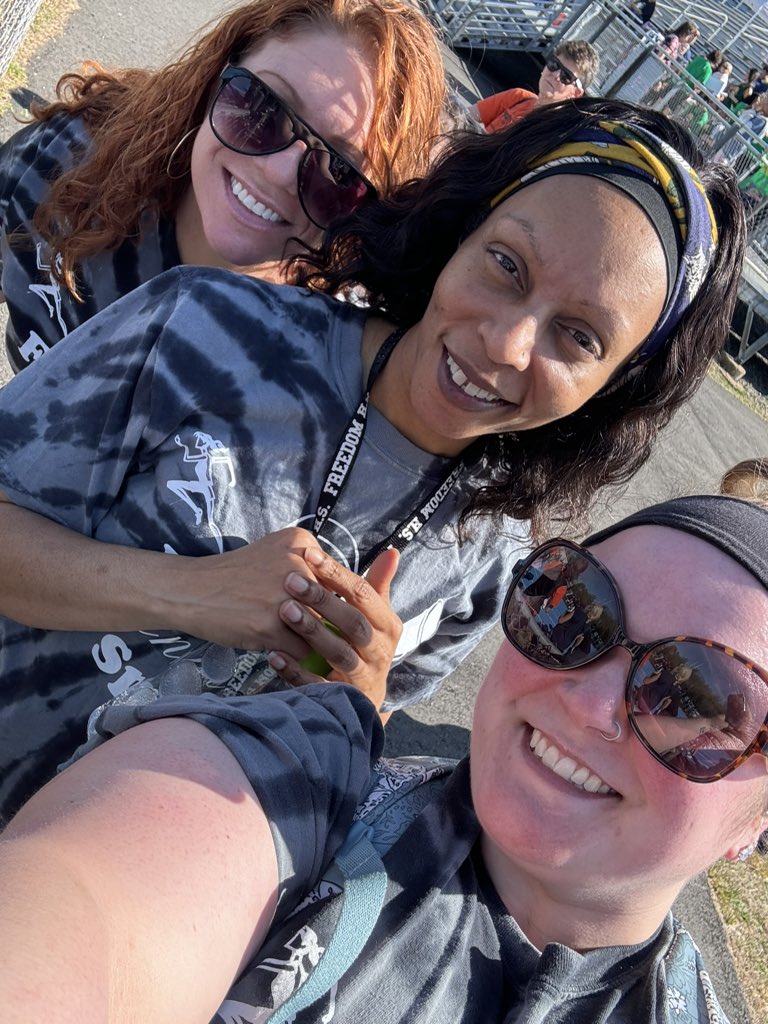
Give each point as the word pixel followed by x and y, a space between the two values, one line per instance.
pixel 174 151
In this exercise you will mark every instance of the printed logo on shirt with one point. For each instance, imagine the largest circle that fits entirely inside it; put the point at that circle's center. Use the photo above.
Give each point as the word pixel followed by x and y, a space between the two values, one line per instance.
pixel 336 540
pixel 304 952
pixel 112 656
pixel 50 295
pixel 211 461
pixel 417 630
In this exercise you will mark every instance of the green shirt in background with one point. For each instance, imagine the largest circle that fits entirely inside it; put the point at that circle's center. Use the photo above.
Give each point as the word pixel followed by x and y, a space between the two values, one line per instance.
pixel 700 69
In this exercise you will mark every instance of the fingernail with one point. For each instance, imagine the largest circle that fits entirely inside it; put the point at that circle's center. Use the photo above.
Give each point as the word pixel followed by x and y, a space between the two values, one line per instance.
pixel 277 661
pixel 297 584
pixel 314 557
pixel 292 612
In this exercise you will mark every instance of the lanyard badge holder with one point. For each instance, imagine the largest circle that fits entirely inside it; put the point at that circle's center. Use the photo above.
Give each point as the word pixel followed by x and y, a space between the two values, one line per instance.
pixel 336 479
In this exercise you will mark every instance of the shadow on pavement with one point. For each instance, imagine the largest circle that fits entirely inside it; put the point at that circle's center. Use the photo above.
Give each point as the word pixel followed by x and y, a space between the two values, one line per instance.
pixel 407 736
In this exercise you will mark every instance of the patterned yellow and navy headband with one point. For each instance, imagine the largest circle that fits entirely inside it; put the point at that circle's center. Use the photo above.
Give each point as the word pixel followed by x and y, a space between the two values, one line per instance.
pixel 646 168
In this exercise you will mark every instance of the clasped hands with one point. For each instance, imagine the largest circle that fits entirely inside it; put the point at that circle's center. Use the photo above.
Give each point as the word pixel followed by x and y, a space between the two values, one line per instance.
pixel 278 593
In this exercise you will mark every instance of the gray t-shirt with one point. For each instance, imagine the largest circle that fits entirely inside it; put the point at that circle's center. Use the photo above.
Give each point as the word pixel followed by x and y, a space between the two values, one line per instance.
pixel 444 949
pixel 196 414
pixel 40 311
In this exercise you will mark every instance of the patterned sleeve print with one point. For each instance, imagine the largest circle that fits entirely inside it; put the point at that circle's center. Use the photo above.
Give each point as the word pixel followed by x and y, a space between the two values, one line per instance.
pixel 158 424
pixel 15 157
pixel 40 311
pixel 135 404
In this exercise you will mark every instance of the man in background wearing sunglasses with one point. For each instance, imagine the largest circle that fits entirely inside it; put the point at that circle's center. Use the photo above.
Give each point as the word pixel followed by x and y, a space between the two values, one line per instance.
pixel 567 73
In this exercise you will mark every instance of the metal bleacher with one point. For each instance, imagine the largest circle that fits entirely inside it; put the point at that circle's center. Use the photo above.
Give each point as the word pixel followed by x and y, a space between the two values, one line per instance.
pixel 634 67
pixel 529 25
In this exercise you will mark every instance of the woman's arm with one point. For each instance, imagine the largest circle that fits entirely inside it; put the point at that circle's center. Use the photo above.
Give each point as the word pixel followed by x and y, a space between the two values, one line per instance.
pixel 52 577
pixel 136 885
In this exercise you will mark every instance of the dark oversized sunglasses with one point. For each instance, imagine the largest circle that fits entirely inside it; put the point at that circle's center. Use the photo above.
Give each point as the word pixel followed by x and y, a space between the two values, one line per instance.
pixel 249 118
pixel 697 706
pixel 565 75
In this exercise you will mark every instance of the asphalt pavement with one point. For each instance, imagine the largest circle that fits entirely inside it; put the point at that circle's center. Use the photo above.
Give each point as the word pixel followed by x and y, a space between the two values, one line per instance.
pixel 704 439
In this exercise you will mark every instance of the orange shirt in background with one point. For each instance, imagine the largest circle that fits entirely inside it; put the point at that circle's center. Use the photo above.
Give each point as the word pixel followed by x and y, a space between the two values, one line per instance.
pixel 505 108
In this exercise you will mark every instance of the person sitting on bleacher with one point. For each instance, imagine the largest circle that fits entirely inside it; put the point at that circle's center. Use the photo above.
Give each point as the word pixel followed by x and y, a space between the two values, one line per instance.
pixel 566 74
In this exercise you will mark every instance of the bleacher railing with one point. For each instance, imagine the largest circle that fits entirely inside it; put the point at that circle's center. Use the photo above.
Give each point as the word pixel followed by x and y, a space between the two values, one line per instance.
pixel 634 67
pixel 738 27
pixel 531 25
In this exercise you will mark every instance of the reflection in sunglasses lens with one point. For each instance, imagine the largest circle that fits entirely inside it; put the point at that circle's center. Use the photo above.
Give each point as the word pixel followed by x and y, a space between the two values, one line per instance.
pixel 563 610
pixel 696 706
pixel 330 187
pixel 249 119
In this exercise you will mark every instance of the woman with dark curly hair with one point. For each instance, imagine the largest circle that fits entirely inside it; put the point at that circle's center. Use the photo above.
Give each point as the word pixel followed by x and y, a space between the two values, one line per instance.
pixel 282 117
pixel 399 249
pixel 538 307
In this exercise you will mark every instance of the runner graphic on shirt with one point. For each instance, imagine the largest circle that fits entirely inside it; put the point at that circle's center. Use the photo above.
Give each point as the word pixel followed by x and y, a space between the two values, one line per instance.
pixel 291 972
pixel 210 454
pixel 50 295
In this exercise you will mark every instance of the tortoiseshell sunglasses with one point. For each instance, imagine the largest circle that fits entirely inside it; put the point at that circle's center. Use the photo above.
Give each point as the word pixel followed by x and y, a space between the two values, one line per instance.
pixel 697 706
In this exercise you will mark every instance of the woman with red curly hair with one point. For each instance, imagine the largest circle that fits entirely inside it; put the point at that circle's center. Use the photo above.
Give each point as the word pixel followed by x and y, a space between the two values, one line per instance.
pixel 133 172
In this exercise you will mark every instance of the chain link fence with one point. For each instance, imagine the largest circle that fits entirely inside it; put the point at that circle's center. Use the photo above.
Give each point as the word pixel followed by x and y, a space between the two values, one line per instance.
pixel 15 18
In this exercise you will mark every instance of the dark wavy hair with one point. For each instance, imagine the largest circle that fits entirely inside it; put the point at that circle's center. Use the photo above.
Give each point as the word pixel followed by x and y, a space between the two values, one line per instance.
pixel 396 249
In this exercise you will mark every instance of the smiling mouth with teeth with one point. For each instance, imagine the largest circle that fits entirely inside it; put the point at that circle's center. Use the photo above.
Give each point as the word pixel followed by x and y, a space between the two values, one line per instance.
pixel 566 767
pixel 242 194
pixel 462 382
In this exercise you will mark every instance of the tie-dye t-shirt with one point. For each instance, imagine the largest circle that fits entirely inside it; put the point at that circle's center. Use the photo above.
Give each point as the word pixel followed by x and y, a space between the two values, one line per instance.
pixel 196 414
pixel 444 949
pixel 40 311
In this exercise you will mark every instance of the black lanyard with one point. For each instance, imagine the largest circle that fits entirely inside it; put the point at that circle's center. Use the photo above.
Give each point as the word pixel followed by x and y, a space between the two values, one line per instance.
pixel 344 459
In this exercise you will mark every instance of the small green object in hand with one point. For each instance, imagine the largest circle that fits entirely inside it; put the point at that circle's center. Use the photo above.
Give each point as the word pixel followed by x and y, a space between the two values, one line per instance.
pixel 315 662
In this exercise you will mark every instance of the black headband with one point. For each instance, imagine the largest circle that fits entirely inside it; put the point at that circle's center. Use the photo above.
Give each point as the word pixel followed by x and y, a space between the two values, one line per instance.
pixel 648 196
pixel 739 528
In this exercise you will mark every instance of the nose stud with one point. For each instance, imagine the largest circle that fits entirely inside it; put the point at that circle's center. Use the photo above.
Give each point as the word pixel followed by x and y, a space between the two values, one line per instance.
pixel 612 737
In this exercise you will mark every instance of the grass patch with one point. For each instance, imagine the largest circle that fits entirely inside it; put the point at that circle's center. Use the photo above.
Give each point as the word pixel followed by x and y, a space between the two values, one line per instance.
pixel 743 390
pixel 741 893
pixel 48 24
